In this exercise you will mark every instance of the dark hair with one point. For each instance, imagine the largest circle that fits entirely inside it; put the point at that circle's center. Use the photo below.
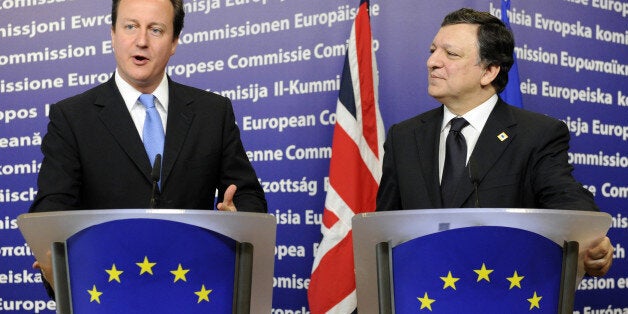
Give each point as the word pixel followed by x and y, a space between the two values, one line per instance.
pixel 179 15
pixel 496 42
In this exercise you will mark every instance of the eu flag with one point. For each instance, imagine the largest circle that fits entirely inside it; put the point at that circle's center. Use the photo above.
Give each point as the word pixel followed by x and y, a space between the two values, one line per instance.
pixel 477 270
pixel 512 93
pixel 150 266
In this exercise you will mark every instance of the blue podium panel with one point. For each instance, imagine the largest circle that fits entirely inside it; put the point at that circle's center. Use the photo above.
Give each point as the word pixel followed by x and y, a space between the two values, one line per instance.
pixel 150 266
pixel 477 270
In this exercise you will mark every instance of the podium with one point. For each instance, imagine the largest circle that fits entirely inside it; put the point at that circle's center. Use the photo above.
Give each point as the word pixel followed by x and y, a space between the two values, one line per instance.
pixel 376 236
pixel 239 245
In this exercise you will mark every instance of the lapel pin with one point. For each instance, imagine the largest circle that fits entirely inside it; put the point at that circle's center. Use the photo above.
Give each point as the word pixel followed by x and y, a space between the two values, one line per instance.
pixel 502 136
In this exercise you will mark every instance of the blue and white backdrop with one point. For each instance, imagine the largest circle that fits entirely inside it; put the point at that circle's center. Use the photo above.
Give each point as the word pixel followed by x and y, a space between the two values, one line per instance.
pixel 280 62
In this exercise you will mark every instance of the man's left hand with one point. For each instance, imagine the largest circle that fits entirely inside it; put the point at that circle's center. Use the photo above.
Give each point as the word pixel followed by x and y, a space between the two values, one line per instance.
pixel 599 257
pixel 227 201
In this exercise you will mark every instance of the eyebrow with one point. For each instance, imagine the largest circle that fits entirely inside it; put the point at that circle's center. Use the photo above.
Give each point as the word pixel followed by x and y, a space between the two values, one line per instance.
pixel 149 24
pixel 444 46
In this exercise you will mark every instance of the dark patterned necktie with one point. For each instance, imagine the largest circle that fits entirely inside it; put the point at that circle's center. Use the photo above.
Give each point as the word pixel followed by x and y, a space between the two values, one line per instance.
pixel 455 160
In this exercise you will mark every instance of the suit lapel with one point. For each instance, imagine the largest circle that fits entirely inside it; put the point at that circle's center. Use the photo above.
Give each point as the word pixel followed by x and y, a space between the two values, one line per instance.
pixel 497 134
pixel 117 119
pixel 427 139
pixel 180 117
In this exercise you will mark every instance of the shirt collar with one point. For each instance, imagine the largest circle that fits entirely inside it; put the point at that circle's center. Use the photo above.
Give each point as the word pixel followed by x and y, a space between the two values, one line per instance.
pixel 476 117
pixel 130 94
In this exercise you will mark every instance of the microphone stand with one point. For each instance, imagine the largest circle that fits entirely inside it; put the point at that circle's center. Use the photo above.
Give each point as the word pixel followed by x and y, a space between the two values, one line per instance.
pixel 474 179
pixel 155 176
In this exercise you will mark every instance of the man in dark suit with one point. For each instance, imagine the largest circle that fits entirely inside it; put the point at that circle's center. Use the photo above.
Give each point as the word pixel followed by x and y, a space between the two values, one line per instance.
pixel 510 157
pixel 94 156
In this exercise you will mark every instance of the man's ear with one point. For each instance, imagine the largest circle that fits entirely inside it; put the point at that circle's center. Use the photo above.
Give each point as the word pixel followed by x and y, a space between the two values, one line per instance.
pixel 490 73
pixel 175 43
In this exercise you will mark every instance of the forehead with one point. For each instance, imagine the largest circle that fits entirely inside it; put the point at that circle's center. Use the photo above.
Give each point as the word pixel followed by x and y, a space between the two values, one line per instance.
pixel 156 10
pixel 462 36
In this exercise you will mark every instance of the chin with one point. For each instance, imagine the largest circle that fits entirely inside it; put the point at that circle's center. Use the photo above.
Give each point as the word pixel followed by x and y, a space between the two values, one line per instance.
pixel 438 96
pixel 140 77
pixel 433 93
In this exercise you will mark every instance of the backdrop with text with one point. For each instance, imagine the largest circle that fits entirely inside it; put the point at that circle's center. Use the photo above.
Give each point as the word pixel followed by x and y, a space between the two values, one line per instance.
pixel 280 62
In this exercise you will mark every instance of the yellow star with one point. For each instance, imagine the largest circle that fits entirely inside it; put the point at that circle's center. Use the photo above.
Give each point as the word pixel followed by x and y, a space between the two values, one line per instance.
pixel 483 273
pixel 203 294
pixel 94 295
pixel 515 280
pixel 146 266
pixel 179 273
pixel 450 281
pixel 114 274
pixel 426 302
pixel 534 301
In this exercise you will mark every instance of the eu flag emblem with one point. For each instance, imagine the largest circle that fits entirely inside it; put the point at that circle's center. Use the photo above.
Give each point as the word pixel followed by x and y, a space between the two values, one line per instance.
pixel 150 266
pixel 477 270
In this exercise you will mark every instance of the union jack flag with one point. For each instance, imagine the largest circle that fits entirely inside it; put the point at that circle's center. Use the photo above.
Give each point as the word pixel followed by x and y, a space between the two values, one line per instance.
pixel 354 172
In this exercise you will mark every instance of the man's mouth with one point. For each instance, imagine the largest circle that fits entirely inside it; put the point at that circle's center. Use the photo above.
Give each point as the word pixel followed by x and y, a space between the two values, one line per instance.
pixel 435 76
pixel 140 60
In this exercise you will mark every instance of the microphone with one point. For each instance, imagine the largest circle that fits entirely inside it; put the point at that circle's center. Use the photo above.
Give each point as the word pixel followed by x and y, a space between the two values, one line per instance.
pixel 474 177
pixel 155 176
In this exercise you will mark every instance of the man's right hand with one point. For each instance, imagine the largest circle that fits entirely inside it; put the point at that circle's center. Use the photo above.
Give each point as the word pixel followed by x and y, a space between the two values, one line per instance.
pixel 46 268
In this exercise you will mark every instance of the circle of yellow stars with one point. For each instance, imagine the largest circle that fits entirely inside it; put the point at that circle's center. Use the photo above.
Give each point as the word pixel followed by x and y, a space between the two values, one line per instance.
pixel 146 266
pixel 483 273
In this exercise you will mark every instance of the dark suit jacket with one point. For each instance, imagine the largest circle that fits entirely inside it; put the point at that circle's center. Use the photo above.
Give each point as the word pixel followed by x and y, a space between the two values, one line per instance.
pixel 529 169
pixel 94 157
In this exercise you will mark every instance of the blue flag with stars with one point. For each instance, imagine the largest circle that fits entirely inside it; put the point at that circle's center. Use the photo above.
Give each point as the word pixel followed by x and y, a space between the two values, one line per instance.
pixel 512 93
pixel 150 266
pixel 477 270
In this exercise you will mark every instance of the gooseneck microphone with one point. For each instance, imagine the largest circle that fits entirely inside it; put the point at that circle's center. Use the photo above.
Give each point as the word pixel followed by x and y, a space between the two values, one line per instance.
pixel 155 176
pixel 474 177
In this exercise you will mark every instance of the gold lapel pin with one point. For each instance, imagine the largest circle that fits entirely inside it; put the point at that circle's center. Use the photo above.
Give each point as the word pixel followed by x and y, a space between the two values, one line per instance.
pixel 502 136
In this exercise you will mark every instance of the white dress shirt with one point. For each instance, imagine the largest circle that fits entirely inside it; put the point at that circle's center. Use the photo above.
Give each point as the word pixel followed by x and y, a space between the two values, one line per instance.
pixel 136 109
pixel 477 119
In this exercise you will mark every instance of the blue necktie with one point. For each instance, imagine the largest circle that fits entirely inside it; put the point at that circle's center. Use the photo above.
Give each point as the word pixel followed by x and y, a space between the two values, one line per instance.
pixel 153 133
pixel 455 160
